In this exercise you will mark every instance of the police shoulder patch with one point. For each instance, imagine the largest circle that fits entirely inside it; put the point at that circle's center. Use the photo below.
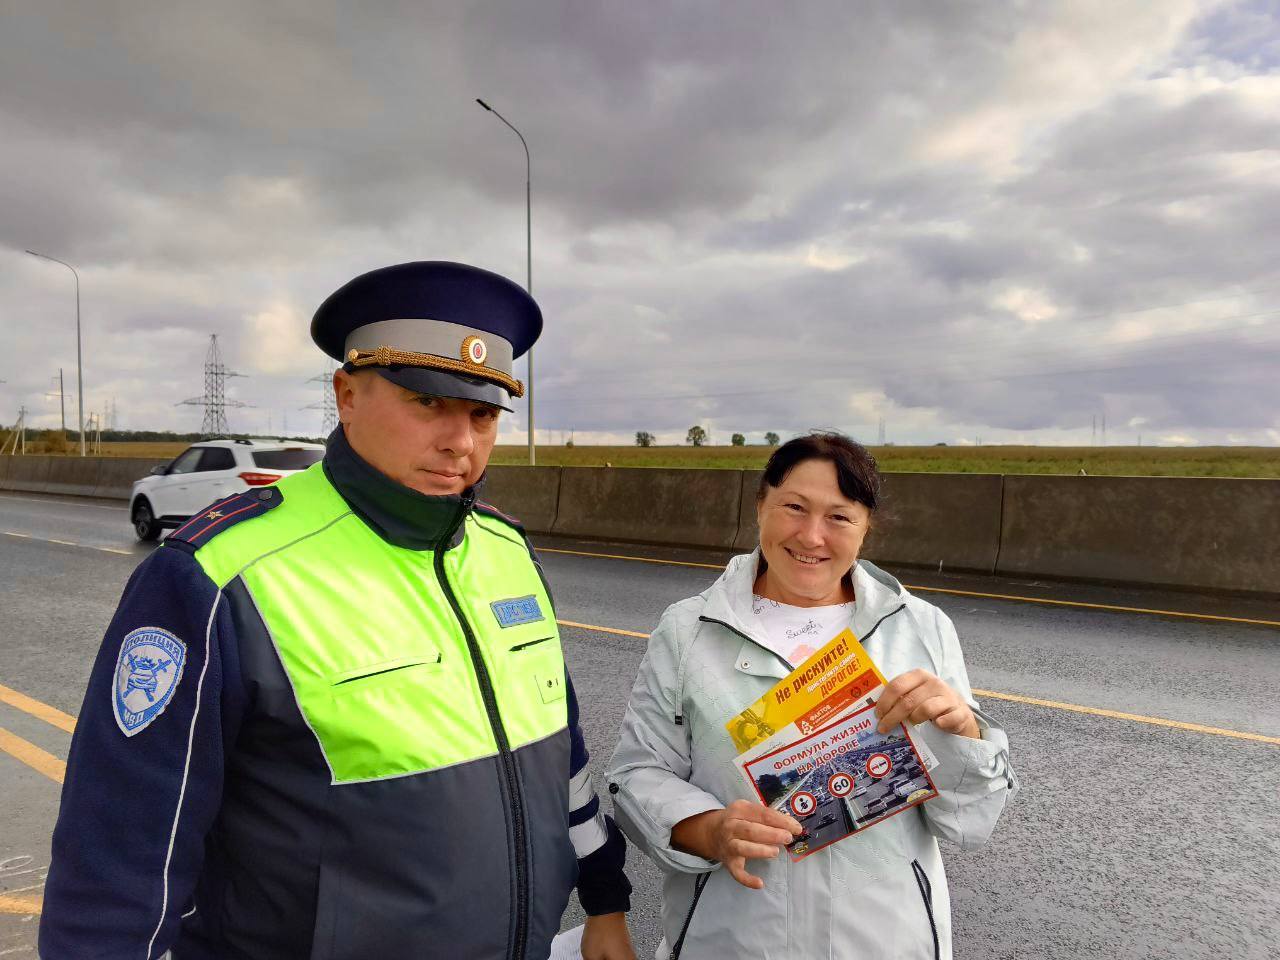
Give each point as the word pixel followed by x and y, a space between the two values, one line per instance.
pixel 148 670
pixel 223 515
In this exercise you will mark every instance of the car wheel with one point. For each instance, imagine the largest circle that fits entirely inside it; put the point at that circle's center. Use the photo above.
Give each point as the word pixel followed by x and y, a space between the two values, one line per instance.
pixel 145 524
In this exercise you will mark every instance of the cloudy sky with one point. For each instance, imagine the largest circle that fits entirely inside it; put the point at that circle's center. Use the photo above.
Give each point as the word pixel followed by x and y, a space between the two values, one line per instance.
pixel 967 220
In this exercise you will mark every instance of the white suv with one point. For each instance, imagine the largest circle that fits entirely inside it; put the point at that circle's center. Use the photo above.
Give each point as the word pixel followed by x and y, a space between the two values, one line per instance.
pixel 209 471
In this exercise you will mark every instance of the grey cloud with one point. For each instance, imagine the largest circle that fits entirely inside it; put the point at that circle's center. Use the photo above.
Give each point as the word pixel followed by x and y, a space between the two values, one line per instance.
pixel 741 213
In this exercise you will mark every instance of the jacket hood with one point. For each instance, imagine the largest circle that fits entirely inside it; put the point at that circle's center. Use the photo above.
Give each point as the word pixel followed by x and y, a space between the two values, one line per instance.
pixel 728 600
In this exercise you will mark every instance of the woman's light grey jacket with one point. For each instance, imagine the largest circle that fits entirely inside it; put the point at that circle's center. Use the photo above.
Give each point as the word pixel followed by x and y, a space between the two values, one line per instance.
pixel 879 894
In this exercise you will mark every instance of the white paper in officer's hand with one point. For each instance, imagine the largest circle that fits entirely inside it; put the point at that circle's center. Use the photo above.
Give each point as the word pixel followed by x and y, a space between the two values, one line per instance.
pixel 567 945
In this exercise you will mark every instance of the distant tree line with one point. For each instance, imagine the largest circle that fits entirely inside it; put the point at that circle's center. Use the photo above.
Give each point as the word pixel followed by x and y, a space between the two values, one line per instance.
pixel 697 437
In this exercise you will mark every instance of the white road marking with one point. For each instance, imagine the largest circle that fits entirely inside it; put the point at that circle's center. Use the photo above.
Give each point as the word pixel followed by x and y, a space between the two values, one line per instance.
pixel 68 503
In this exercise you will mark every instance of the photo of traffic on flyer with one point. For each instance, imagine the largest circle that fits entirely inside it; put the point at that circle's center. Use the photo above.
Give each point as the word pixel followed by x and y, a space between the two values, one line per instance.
pixel 842 779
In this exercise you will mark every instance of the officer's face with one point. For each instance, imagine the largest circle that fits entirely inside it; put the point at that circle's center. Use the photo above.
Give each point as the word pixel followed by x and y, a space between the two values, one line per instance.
pixel 435 445
pixel 810 535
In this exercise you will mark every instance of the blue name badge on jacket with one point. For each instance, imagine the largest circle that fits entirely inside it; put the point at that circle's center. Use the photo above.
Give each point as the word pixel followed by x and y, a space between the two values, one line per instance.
pixel 518 610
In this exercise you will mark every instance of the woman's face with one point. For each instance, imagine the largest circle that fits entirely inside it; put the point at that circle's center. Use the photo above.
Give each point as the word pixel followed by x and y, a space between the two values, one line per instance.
pixel 810 535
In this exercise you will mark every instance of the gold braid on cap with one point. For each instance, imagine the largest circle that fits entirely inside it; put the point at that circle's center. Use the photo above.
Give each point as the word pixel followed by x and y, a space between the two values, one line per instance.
pixel 390 357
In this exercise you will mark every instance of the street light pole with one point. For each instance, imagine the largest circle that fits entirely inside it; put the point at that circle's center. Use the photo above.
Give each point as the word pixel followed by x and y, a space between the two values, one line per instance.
pixel 528 251
pixel 79 364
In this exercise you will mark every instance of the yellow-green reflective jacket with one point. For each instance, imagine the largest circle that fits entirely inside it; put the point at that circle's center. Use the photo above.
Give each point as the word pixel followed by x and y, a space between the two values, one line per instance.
pixel 367 753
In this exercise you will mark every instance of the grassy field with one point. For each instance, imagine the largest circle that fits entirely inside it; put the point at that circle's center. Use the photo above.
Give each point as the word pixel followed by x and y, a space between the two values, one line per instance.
pixel 1095 461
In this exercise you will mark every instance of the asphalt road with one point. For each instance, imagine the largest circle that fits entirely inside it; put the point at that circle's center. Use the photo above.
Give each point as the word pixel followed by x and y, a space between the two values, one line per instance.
pixel 1130 838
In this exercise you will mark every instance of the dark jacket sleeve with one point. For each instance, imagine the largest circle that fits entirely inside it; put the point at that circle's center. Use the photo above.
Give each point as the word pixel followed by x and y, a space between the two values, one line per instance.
pixel 601 850
pixel 136 806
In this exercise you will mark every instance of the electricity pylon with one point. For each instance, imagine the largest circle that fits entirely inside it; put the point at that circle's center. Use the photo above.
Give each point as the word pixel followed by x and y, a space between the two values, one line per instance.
pixel 214 400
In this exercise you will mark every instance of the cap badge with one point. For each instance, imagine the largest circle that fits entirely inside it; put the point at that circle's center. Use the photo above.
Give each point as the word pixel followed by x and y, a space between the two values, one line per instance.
pixel 474 351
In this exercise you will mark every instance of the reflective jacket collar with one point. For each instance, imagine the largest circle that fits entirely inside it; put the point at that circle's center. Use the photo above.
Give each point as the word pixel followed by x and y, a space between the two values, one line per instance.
pixel 399 515
pixel 728 602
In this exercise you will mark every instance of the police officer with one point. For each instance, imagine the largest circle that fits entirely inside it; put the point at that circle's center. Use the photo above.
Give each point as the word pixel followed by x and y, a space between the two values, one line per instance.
pixel 331 718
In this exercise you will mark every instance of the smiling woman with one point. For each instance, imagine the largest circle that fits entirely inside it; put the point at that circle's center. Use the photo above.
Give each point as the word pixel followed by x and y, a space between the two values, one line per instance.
pixel 814 509
pixel 679 793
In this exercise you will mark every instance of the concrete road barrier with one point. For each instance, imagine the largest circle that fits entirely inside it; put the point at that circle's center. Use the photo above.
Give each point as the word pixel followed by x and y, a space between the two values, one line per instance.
pixel 948 521
pixel 748 530
pixel 925 519
pixel 681 507
pixel 28 474
pixel 1193 532
pixel 115 479
pixel 77 476
pixel 529 494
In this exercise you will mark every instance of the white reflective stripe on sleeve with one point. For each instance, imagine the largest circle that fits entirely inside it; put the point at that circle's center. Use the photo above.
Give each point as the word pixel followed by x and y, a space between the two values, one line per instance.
pixel 589 837
pixel 580 790
pixel 186 771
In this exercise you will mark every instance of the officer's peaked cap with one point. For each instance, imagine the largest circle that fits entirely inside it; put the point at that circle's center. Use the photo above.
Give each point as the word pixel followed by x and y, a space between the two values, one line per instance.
pixel 432 326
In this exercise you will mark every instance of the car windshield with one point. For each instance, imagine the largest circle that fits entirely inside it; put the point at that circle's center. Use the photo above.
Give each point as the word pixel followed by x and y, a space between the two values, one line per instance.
pixel 292 458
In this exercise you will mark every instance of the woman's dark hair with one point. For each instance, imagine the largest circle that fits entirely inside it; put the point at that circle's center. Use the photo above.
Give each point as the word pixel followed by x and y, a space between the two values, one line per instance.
pixel 856 471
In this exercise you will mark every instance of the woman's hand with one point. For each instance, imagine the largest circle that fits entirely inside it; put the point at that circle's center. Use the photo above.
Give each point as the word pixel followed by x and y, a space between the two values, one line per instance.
pixel 918 695
pixel 740 832
pixel 605 937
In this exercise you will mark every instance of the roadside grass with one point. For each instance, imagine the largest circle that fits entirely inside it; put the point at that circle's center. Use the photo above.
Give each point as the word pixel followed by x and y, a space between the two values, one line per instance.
pixel 1095 461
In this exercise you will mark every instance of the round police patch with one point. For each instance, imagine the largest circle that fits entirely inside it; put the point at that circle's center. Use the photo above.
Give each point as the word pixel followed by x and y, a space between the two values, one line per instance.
pixel 147 673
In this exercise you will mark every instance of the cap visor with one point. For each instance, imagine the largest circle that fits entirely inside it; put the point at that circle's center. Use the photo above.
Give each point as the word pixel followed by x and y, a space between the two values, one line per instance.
pixel 441 384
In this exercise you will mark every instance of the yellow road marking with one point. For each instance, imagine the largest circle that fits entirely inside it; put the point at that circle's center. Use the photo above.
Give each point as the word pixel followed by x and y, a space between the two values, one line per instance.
pixel 20 906
pixel 50 715
pixel 1015 698
pixel 24 536
pixel 35 758
pixel 599 629
pixel 1135 717
pixel 619 556
pixel 959 593
pixel 65 543
pixel 1100 606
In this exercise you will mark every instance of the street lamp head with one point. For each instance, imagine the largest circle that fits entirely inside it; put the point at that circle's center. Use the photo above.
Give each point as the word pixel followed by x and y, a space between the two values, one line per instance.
pixel 483 104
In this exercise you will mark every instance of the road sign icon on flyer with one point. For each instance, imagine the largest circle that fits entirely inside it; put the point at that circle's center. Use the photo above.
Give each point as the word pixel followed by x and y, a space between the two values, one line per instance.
pixel 878 765
pixel 840 785
pixel 803 803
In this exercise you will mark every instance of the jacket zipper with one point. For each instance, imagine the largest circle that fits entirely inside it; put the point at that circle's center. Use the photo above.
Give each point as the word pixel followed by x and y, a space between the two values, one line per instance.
pixel 926 894
pixel 511 776
pixel 679 718
pixel 698 886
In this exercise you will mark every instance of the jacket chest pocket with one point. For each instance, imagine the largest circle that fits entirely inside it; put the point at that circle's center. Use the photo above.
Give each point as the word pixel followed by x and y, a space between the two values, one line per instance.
pixel 392 671
pixel 541 663
pixel 392 716
pixel 531 687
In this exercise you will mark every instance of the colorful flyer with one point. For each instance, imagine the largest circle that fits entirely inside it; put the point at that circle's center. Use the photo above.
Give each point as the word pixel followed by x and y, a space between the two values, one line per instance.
pixel 824 686
pixel 841 779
